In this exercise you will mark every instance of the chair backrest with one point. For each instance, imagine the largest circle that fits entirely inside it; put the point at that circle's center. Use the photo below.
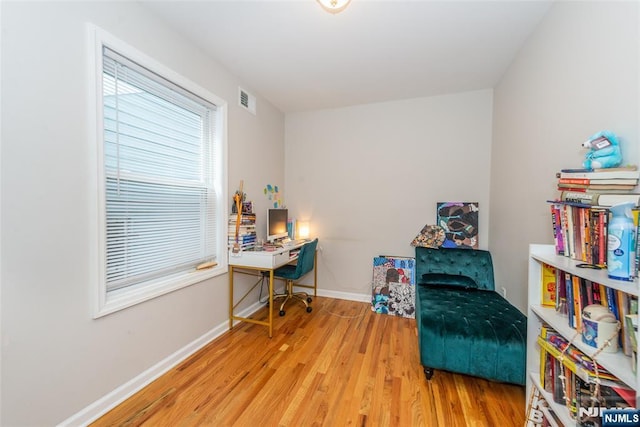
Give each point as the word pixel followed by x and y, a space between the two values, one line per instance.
pixel 306 258
pixel 473 263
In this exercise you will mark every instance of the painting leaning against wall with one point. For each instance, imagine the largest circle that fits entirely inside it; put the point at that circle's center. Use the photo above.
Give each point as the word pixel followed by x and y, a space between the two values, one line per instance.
pixel 394 290
pixel 460 223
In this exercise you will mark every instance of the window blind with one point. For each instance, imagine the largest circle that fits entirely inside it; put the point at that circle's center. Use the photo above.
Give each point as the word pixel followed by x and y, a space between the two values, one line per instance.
pixel 158 163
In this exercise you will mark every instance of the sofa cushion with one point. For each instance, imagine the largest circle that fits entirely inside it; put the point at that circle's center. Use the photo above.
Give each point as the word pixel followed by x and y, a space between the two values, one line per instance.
pixel 471 331
pixel 443 279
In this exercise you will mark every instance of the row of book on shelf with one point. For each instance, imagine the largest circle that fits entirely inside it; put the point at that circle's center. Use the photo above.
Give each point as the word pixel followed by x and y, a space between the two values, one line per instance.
pixel 569 376
pixel 570 294
pixel 580 214
pixel 580 232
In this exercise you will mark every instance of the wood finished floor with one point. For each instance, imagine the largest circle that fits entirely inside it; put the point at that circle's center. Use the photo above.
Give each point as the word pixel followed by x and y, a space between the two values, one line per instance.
pixel 341 365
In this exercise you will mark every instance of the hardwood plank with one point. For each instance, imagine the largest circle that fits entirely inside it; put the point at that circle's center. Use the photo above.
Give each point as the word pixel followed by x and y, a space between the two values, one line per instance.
pixel 340 365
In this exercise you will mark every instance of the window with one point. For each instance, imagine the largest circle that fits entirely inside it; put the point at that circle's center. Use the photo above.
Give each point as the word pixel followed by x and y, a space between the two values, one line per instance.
pixel 160 160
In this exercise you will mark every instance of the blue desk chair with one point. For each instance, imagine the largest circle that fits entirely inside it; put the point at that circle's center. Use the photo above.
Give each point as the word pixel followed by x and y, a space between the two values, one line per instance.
pixel 290 273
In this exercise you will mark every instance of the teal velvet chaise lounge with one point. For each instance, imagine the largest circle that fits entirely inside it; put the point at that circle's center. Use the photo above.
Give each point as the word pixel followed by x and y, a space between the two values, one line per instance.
pixel 464 326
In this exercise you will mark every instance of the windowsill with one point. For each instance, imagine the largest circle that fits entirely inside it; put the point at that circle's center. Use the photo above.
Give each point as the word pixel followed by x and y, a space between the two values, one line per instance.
pixel 123 298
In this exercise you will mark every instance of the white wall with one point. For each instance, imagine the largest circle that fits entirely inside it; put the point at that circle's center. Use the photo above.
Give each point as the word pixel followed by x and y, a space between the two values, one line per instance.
pixel 56 359
pixel 577 75
pixel 368 177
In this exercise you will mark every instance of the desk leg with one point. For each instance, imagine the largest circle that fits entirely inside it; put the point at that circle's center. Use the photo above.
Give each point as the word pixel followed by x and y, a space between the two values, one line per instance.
pixel 230 297
pixel 270 303
pixel 315 274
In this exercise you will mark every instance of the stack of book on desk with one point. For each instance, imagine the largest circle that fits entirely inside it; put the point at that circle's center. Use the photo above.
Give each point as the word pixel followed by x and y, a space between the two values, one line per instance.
pixel 599 187
pixel 246 230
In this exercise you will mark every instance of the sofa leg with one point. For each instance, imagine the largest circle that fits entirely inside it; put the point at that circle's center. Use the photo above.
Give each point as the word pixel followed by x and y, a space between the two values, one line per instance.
pixel 428 372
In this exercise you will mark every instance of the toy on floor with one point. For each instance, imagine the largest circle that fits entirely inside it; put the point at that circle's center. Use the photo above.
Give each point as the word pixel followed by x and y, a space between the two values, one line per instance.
pixel 604 151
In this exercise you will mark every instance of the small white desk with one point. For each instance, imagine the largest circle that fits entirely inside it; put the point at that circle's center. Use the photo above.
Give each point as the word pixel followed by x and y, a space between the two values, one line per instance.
pixel 263 261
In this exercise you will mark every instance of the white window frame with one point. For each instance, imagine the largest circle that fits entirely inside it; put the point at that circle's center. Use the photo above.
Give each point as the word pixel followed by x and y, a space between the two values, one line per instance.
pixel 115 300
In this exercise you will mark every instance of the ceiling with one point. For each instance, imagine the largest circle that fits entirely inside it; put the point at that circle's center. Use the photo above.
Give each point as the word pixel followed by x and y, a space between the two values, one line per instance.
pixel 301 58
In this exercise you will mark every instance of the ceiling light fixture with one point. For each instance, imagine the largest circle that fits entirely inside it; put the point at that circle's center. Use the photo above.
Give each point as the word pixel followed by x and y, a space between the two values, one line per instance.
pixel 334 6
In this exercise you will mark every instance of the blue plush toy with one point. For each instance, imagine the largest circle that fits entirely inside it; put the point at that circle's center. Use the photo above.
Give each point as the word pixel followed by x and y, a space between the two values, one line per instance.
pixel 604 151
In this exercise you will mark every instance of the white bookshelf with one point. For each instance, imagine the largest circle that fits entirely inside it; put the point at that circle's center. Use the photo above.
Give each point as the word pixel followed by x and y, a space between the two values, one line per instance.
pixel 616 363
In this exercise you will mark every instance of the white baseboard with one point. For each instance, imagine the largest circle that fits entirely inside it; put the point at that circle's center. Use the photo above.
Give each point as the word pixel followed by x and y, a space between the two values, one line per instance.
pixel 103 405
pixel 345 295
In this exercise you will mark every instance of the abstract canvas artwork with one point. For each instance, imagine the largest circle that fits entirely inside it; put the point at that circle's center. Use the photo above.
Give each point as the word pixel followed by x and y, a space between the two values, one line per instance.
pixel 394 290
pixel 460 223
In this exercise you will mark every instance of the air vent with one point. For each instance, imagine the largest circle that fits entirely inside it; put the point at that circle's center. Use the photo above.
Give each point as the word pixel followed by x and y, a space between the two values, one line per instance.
pixel 246 100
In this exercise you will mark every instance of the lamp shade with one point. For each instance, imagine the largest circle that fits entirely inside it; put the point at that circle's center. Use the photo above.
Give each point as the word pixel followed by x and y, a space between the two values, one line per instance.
pixel 303 229
pixel 334 6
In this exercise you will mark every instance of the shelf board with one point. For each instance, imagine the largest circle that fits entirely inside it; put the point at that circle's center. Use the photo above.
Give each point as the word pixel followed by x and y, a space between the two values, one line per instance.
pixel 547 415
pixel 599 276
pixel 561 411
pixel 616 363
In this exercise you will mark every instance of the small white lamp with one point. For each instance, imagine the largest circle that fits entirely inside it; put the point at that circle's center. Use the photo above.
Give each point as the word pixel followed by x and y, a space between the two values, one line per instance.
pixel 303 229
